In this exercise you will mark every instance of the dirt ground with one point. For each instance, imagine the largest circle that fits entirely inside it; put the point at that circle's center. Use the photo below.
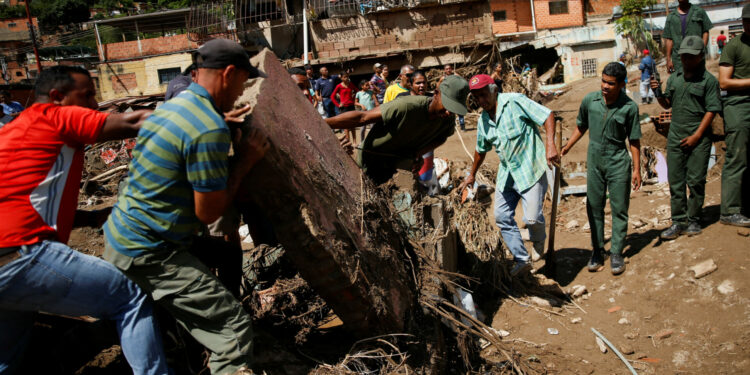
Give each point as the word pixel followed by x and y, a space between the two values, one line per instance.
pixel 706 325
pixel 669 321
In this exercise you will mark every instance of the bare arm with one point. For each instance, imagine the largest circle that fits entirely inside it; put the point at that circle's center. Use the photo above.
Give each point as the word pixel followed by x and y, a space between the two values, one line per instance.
pixel 354 119
pixel 553 158
pixel 705 38
pixel 669 44
pixel 662 99
pixel 121 126
pixel 469 180
pixel 692 140
pixel 209 206
pixel 726 82
pixel 635 151
pixel 577 134
pixel 375 100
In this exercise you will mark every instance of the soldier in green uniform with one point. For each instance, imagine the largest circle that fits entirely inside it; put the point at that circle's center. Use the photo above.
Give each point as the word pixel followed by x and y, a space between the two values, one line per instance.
pixel 612 118
pixel 693 95
pixel 684 21
pixel 734 76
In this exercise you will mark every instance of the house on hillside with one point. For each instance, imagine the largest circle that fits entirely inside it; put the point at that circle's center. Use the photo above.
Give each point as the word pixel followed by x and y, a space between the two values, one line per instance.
pixel 158 50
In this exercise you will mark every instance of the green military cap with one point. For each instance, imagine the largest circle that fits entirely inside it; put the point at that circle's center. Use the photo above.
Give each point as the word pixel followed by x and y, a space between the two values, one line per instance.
pixel 453 92
pixel 746 11
pixel 692 45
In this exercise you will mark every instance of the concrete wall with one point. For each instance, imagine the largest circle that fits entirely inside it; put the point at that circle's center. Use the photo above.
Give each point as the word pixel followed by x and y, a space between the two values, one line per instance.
pixel 154 46
pixel 575 45
pixel 381 33
pixel 138 77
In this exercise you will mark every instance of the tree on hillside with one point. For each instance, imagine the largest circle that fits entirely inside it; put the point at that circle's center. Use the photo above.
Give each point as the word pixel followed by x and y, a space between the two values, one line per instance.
pixel 633 27
pixel 55 13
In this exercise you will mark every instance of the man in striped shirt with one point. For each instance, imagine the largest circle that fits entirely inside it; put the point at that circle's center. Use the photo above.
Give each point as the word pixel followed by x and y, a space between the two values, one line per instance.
pixel 179 178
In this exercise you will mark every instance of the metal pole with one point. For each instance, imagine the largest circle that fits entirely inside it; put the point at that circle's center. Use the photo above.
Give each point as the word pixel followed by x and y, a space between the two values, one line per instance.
pixel 99 42
pixel 533 18
pixel 304 32
pixel 138 37
pixel 33 37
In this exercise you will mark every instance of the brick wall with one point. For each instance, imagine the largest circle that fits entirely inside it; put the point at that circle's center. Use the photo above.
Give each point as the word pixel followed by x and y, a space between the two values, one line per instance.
pixel 544 20
pixel 20 24
pixel 600 7
pixel 121 82
pixel 155 46
pixel 517 15
pixel 443 26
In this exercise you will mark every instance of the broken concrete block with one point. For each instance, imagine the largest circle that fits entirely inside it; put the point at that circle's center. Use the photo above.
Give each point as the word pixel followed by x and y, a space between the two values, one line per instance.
pixel 576 320
pixel 316 199
pixel 577 290
pixel 601 345
pixel 571 224
pixel 743 232
pixel 623 321
pixel 704 268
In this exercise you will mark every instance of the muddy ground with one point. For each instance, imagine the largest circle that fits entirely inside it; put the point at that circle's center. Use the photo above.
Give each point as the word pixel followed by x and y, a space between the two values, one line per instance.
pixel 658 311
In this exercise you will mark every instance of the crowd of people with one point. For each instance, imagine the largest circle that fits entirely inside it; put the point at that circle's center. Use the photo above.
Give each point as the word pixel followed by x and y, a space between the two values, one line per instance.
pixel 181 180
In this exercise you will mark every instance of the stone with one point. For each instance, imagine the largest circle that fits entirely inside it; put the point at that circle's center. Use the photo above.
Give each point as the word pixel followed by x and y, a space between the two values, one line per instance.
pixel 545 302
pixel 663 334
pixel 601 345
pixel 637 223
pixel 704 268
pixel 743 232
pixel 571 224
pixel 577 291
pixel 623 321
pixel 640 355
pixel 631 335
pixel 586 227
pixel 726 287
pixel 576 320
pixel 614 309
pixel 626 349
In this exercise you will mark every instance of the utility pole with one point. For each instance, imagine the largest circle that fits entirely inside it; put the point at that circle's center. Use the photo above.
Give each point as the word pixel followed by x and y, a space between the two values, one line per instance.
pixel 32 33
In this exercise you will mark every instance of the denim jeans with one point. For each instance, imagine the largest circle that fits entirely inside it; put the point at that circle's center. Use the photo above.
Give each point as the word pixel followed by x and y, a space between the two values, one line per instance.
pixel 54 278
pixel 506 201
pixel 330 108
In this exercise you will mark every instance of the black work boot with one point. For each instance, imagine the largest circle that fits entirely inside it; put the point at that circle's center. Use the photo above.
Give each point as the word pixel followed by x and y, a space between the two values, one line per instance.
pixel 738 220
pixel 596 263
pixel 693 228
pixel 617 263
pixel 672 232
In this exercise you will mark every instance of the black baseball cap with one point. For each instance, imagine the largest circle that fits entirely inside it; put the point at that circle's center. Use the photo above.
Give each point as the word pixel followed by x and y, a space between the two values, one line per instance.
pixel 220 53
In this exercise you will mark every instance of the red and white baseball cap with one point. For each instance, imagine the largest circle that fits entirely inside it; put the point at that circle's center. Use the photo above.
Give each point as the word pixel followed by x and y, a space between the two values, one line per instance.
pixel 479 81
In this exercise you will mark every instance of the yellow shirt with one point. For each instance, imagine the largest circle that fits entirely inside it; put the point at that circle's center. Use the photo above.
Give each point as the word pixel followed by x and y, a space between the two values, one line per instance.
pixel 392 91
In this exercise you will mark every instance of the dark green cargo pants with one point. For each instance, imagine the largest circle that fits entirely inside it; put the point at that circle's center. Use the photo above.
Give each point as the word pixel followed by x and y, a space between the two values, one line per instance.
pixel 608 170
pixel 687 168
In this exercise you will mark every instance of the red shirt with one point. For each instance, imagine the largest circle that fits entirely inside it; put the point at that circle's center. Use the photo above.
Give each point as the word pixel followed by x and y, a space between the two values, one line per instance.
pixel 346 94
pixel 721 39
pixel 41 161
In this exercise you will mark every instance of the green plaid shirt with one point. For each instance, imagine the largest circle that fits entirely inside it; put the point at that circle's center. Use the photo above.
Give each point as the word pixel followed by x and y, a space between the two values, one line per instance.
pixel 515 136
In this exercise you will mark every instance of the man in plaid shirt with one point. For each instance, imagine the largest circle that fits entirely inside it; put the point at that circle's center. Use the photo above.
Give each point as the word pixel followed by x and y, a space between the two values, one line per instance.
pixel 510 123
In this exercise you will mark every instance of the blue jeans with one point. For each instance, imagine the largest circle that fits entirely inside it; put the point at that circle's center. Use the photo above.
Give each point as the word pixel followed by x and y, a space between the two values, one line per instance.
pixel 461 122
pixel 330 108
pixel 54 278
pixel 506 201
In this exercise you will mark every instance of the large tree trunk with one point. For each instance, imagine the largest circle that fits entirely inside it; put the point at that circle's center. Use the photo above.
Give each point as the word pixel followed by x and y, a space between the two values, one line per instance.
pixel 313 194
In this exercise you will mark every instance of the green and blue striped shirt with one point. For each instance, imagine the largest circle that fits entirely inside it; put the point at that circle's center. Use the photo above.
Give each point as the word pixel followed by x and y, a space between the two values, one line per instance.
pixel 514 132
pixel 182 147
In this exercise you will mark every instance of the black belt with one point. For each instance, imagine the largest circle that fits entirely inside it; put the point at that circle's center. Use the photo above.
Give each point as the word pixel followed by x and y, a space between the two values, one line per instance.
pixel 9 254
